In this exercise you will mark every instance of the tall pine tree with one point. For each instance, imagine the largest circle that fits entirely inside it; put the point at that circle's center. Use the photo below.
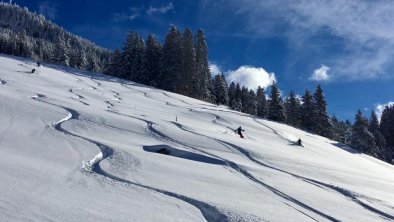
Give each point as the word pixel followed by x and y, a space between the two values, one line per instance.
pixel 307 112
pixel 261 103
pixel 292 107
pixel 132 57
pixel 220 90
pixel 374 128
pixel 188 68
pixel 151 61
pixel 203 75
pixel 276 110
pixel 362 139
pixel 170 77
pixel 322 124
pixel 387 129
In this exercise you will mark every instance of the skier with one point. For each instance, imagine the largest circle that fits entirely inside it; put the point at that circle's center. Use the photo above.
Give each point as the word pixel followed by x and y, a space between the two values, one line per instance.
pixel 33 70
pixel 299 142
pixel 38 64
pixel 239 131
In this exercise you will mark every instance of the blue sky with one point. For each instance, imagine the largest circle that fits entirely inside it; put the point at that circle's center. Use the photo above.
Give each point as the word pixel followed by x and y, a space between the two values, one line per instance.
pixel 346 46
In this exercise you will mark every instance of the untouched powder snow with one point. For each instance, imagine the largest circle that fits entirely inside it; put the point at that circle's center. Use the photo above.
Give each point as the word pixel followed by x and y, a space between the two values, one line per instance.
pixel 80 146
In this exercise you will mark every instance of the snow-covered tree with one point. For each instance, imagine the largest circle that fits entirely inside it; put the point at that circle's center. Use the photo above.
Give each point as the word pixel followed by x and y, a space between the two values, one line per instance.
pixel 25 33
pixel 362 139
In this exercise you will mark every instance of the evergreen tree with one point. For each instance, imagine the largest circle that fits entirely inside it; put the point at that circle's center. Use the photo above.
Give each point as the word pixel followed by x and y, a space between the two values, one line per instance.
pixel 362 139
pixel 374 128
pixel 276 108
pixel 24 45
pixel 132 57
pixel 261 103
pixel 93 64
pixel 236 103
pixel 307 112
pixel 387 130
pixel 322 124
pixel 28 34
pixel 292 107
pixel 151 61
pixel 348 132
pixel 251 103
pixel 341 131
pixel 244 98
pixel 203 75
pixel 61 55
pixel 114 64
pixel 82 61
pixel 231 94
pixel 220 90
pixel 170 76
pixel 189 74
pixel 337 130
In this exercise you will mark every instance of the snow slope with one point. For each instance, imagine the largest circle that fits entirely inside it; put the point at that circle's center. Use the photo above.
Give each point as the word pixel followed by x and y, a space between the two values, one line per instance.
pixel 78 146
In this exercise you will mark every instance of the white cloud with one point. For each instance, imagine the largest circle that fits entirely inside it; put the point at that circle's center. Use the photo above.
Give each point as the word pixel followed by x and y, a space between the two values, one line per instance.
pixel 320 74
pixel 251 77
pixel 215 69
pixel 380 107
pixel 47 9
pixel 161 10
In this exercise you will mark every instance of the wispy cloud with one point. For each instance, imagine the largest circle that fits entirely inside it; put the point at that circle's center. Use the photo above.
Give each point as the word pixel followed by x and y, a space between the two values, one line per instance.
pixel 251 77
pixel 160 10
pixel 320 74
pixel 380 107
pixel 130 15
pixel 48 9
pixel 136 12
pixel 364 28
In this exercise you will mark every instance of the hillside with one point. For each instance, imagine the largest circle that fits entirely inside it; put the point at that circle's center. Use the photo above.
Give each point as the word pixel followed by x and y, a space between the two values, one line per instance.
pixel 80 146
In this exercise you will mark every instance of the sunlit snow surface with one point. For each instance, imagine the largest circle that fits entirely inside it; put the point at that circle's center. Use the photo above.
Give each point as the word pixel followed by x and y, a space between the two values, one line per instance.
pixel 79 146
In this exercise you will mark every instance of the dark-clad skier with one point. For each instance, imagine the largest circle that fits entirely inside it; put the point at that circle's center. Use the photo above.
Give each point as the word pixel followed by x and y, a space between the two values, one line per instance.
pixel 239 131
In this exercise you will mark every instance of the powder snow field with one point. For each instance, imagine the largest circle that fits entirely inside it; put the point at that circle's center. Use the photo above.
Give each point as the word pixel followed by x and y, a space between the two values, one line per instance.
pixel 79 146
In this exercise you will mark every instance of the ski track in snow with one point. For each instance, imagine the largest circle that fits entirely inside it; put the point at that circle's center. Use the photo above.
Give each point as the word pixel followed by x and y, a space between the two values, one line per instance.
pixel 209 212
